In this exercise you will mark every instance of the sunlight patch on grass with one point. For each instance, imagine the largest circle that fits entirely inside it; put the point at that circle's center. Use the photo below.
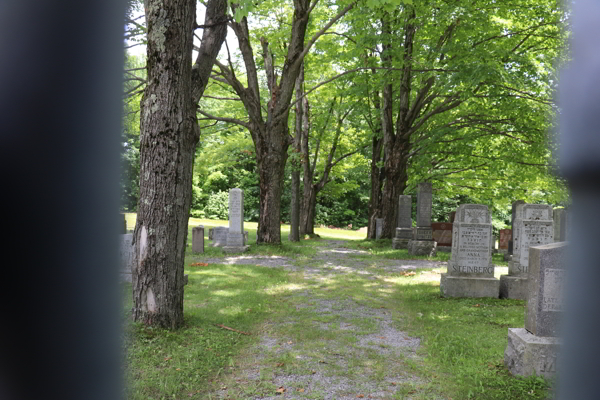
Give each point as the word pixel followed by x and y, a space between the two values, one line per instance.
pixel 227 292
pixel 288 287
pixel 231 311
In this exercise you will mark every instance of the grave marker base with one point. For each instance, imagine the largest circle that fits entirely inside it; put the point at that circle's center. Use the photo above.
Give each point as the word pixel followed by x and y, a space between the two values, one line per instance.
pixel 422 248
pixel 235 249
pixel 527 354
pixel 513 287
pixel 400 243
pixel 462 286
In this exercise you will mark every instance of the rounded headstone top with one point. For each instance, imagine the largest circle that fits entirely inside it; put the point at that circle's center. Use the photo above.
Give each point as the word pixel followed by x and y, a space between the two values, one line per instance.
pixel 541 212
pixel 473 214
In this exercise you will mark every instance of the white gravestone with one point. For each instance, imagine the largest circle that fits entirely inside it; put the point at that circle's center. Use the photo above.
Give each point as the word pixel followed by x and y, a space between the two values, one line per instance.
pixel 533 226
pixel 470 269
pixel 235 238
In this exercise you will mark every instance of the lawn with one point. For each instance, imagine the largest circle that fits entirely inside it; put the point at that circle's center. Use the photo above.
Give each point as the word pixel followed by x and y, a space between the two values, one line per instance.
pixel 286 323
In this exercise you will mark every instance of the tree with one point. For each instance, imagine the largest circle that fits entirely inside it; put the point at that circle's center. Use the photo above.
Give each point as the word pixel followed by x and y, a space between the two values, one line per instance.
pixel 462 79
pixel 169 134
pixel 270 134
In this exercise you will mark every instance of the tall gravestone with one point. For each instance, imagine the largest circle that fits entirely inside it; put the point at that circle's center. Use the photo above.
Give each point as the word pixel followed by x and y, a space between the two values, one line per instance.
pixel 404 223
pixel 512 224
pixel 533 349
pixel 533 226
pixel 470 269
pixel 126 252
pixel 422 243
pixel 560 216
pixel 235 238
pixel 198 239
pixel 378 227
pixel 505 235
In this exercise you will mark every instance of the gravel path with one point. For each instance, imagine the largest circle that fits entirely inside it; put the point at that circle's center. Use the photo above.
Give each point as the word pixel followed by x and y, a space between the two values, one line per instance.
pixel 359 353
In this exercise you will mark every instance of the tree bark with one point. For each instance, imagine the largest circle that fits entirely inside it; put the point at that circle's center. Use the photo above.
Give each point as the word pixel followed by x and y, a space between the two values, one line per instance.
pixel 296 200
pixel 169 134
pixel 377 175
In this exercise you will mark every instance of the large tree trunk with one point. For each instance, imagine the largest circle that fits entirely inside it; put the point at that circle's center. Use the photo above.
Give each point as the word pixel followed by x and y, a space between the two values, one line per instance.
pixel 271 158
pixel 396 163
pixel 169 134
pixel 307 223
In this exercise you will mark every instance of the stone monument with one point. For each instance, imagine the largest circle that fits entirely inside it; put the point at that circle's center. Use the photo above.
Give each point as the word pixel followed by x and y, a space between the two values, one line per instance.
pixel 442 234
pixel 560 224
pixel 512 224
pixel 198 239
pixel 219 236
pixel 378 227
pixel 505 235
pixel 404 230
pixel 422 243
pixel 470 269
pixel 533 226
pixel 236 242
pixel 533 349
pixel 126 255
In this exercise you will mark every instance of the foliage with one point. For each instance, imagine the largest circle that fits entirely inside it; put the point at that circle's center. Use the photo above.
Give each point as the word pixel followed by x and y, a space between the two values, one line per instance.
pixel 218 206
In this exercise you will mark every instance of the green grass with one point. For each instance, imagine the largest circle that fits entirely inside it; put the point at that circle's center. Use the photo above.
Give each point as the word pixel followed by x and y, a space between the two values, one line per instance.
pixel 180 364
pixel 462 340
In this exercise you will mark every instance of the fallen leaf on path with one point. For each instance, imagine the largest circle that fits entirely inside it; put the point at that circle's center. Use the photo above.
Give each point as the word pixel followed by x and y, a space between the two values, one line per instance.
pixel 290 342
pixel 360 396
pixel 301 390
pixel 476 305
pixel 168 358
pixel 408 273
pixel 313 372
pixel 199 264
pixel 280 364
pixel 393 383
pixel 177 369
pixel 281 390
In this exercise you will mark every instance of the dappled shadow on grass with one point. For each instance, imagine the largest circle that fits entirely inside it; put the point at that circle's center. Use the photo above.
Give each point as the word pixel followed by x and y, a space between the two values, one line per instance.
pixel 180 364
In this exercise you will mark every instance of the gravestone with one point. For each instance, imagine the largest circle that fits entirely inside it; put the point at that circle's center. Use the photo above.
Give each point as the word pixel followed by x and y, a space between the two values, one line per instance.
pixel 533 350
pixel 533 226
pixel 470 269
pixel 422 243
pixel 211 230
pixel 236 242
pixel 378 227
pixel 126 250
pixel 442 233
pixel 512 224
pixel 560 216
pixel 404 231
pixel 219 236
pixel 505 235
pixel 124 224
pixel 198 239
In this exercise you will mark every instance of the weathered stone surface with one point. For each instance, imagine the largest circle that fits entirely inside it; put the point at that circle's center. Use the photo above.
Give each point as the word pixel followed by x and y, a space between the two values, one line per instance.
pixel 423 233
pixel 235 239
pixel 470 269
pixel 210 233
pixel 126 255
pixel 404 212
pixel 471 255
pixel 444 249
pixel 536 212
pixel 473 214
pixel 220 236
pixel 513 287
pixel 124 231
pixel 528 233
pixel 527 354
pixel 442 233
pixel 422 248
pixel 512 223
pixel 464 286
pixel 400 243
pixel 560 224
pixel 424 202
pixel 378 227
pixel 546 277
pixel 404 233
pixel 236 211
pixel 198 239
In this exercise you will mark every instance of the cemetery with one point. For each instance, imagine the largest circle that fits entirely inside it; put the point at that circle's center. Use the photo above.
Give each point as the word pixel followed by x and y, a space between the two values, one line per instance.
pixel 340 201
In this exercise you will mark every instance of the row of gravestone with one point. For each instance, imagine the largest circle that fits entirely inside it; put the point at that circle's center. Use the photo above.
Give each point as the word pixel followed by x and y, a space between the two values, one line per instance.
pixel 536 275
